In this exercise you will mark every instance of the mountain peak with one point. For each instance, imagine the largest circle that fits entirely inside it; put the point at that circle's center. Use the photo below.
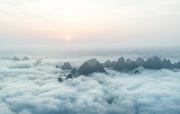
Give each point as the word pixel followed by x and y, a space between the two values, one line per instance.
pixel 15 58
pixel 66 66
pixel 90 66
pixel 92 62
pixel 25 58
pixel 121 59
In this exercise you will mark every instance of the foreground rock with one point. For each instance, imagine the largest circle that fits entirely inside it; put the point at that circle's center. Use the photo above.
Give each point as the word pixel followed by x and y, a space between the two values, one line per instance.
pixel 59 79
pixel 66 66
pixel 15 58
pixel 91 66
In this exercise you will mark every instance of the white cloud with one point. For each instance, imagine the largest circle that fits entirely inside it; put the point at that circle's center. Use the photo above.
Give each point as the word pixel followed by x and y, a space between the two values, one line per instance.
pixel 35 90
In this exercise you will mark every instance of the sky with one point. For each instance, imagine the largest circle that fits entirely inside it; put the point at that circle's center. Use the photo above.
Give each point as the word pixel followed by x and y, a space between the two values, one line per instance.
pixel 89 24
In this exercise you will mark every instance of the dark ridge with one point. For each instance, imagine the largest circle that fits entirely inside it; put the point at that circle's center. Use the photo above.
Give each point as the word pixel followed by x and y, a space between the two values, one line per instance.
pixel 121 65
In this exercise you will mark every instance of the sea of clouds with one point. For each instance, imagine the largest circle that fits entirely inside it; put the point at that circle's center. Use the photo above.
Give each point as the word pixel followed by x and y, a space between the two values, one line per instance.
pixel 29 89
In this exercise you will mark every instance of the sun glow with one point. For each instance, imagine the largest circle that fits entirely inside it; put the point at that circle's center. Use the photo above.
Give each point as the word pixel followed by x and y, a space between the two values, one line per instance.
pixel 68 38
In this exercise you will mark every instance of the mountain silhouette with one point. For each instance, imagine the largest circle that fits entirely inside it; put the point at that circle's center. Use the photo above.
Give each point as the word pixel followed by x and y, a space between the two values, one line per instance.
pixel 132 66
pixel 153 63
pixel 120 65
pixel 140 61
pixel 73 71
pixel 66 66
pixel 90 66
pixel 108 64
pixel 15 58
pixel 166 64
pixel 128 61
pixel 25 58
pixel 176 65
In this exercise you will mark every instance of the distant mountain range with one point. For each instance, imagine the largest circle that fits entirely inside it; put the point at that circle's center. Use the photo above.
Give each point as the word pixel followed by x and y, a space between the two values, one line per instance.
pixel 15 58
pixel 121 65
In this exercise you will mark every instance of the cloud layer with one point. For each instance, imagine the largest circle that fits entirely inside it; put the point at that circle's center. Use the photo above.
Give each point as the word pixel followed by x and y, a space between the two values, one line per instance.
pixel 29 89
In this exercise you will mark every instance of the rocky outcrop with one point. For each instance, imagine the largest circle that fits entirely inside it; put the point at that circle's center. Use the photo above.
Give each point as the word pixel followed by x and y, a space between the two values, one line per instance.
pixel 66 66
pixel 59 79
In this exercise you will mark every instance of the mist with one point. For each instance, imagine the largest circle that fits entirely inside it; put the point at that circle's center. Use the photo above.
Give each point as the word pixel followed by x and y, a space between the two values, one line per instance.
pixel 29 89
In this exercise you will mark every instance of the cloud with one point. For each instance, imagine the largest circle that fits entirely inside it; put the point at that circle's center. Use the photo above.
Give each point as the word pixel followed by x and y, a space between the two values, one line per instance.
pixel 35 90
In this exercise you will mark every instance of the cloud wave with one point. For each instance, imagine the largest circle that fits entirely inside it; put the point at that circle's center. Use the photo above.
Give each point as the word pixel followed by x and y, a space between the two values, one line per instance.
pixel 35 90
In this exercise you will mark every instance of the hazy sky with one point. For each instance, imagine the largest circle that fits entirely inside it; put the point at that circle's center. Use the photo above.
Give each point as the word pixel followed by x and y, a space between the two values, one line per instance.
pixel 69 24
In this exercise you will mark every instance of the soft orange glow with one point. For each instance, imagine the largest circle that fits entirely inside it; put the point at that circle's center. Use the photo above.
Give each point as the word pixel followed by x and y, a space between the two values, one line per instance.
pixel 68 38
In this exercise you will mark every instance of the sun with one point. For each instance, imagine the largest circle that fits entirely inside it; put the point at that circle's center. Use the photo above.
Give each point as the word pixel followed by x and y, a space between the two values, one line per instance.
pixel 68 38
